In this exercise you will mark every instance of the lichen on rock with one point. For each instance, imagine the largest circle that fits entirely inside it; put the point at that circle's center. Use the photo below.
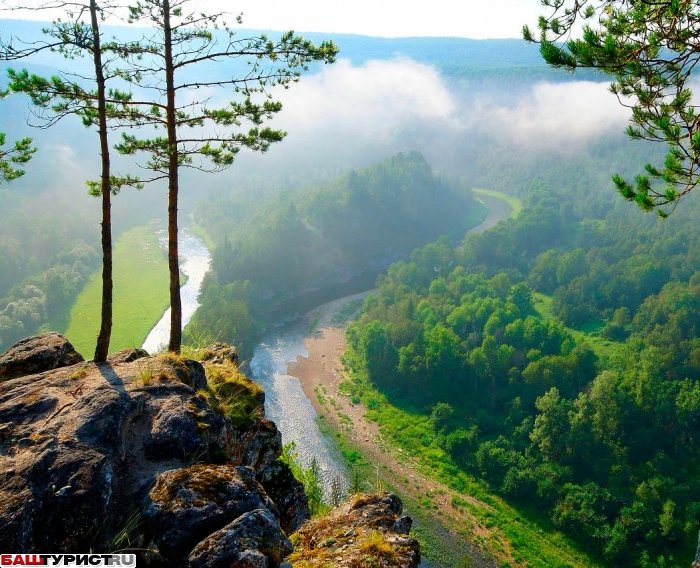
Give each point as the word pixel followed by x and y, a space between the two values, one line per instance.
pixel 360 532
pixel 168 457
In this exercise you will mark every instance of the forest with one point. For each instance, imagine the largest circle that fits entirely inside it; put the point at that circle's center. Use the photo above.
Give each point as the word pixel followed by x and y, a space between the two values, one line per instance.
pixel 311 241
pixel 45 260
pixel 556 355
pixel 557 358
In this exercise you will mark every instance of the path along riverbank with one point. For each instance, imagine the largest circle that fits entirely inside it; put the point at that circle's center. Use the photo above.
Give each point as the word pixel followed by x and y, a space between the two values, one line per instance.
pixel 320 375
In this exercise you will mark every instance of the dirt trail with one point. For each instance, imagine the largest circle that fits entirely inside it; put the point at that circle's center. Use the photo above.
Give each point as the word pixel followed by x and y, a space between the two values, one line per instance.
pixel 320 375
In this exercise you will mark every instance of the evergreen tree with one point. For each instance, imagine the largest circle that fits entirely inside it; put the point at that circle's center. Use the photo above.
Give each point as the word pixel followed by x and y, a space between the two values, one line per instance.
pixel 20 153
pixel 183 40
pixel 651 50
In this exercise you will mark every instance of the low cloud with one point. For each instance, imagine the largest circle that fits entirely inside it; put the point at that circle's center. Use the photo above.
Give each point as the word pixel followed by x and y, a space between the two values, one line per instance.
pixel 352 115
pixel 348 115
pixel 551 115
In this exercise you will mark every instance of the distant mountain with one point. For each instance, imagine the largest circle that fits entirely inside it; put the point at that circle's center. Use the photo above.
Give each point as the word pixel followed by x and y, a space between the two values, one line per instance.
pixel 454 56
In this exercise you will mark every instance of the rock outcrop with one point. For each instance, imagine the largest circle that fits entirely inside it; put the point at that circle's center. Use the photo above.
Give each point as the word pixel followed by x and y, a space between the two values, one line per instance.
pixel 361 532
pixel 37 354
pixel 166 458
pixel 128 454
pixel 287 493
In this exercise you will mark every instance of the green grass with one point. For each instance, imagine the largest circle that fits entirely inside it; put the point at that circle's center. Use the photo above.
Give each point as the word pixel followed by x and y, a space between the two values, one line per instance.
pixel 140 295
pixel 529 534
pixel 608 352
pixel 199 231
pixel 515 204
pixel 346 311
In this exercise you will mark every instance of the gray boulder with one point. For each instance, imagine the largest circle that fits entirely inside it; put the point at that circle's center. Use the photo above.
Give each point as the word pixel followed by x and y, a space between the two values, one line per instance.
pixel 287 493
pixel 186 505
pixel 251 541
pixel 82 446
pixel 38 354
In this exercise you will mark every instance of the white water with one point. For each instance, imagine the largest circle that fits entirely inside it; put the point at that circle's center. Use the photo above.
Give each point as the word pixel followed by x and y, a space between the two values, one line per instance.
pixel 287 405
pixel 194 263
pixel 285 401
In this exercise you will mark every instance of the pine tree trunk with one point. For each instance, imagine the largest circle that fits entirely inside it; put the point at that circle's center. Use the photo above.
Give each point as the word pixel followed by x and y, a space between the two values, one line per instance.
pixel 173 187
pixel 102 347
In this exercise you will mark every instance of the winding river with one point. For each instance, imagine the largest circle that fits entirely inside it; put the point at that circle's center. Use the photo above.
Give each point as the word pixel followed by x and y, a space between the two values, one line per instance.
pixel 194 263
pixel 285 401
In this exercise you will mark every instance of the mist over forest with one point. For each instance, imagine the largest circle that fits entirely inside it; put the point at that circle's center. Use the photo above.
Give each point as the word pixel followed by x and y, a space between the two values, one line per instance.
pixel 467 106
pixel 553 360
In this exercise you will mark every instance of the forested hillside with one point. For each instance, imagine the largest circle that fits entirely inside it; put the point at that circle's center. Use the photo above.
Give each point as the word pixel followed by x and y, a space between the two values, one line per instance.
pixel 555 358
pixel 44 262
pixel 407 119
pixel 309 241
pixel 594 423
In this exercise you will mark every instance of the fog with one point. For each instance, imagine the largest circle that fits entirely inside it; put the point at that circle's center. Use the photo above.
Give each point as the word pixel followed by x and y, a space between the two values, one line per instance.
pixel 350 115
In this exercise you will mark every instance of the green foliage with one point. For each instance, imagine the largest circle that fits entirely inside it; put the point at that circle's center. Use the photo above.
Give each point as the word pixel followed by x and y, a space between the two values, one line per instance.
pixel 310 478
pixel 317 239
pixel 648 49
pixel 602 445
pixel 19 154
pixel 44 263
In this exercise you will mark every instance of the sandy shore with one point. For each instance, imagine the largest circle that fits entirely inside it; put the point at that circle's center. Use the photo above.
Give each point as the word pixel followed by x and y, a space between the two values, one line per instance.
pixel 321 371
pixel 321 374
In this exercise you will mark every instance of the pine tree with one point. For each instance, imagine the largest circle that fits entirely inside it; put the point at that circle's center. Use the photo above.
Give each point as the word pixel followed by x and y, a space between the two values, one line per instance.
pixel 198 135
pixel 651 50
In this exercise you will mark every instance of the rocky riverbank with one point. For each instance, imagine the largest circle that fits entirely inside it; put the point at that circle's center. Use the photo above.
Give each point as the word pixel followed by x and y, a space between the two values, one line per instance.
pixel 165 456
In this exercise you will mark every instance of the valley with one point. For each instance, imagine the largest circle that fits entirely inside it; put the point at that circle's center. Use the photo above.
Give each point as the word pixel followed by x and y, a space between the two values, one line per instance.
pixel 525 370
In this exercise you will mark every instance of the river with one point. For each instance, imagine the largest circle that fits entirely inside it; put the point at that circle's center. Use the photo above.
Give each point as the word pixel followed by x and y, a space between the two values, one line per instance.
pixel 194 264
pixel 287 405
pixel 285 401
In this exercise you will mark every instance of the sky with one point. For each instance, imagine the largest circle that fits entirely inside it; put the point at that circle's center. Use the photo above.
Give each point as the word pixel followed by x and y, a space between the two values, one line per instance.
pixel 478 19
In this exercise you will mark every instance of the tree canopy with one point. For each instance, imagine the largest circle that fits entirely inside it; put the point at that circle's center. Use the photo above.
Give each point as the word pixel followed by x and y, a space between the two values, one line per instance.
pixel 20 153
pixel 651 50
pixel 180 52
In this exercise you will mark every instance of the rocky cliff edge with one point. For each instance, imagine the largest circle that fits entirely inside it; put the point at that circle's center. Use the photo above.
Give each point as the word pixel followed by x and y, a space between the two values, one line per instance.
pixel 168 457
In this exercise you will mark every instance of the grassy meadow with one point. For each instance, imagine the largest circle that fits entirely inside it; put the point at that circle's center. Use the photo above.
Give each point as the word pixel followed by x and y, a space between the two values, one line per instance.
pixel 608 351
pixel 140 294
pixel 515 204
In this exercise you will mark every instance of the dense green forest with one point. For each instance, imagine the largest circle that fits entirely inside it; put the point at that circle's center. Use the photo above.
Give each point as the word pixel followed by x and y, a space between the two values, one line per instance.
pixel 45 260
pixel 557 355
pixel 228 202
pixel 306 242
pixel 596 428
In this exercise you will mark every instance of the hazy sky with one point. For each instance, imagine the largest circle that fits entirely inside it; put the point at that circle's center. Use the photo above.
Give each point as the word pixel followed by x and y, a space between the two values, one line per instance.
pixel 391 18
